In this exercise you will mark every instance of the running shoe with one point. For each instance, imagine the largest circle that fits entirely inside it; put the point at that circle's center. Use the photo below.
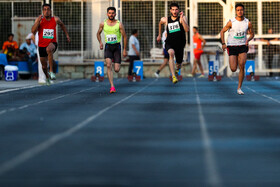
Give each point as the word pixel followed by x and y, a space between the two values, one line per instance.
pixel 156 75
pixel 201 76
pixel 189 75
pixel 240 92
pixel 113 90
pixel 48 82
pixel 174 80
pixel 52 76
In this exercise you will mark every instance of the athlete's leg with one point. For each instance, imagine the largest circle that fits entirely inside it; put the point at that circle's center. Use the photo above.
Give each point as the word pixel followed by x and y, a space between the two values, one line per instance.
pixel 233 63
pixel 117 67
pixel 109 71
pixel 194 67
pixel 242 57
pixel 171 61
pixel 200 67
pixel 50 50
pixel 44 62
pixel 165 60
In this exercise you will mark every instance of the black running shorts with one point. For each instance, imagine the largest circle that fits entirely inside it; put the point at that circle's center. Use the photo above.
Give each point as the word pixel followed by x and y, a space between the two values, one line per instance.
pixel 43 50
pixel 113 51
pixel 179 52
pixel 236 50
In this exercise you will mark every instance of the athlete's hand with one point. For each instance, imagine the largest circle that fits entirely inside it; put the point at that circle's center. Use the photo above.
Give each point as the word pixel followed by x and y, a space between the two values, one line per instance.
pixel 39 18
pixel 181 14
pixel 101 46
pixel 68 39
pixel 158 38
pixel 224 47
pixel 124 53
pixel 247 43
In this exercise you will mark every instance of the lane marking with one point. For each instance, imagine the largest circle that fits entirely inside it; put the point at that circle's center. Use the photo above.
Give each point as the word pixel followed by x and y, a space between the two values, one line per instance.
pixel 26 87
pixel 44 101
pixel 213 176
pixel 261 94
pixel 30 153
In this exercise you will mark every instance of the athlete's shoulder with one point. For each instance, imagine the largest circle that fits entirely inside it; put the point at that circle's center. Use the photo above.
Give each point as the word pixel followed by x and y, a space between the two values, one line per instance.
pixel 246 19
pixel 232 20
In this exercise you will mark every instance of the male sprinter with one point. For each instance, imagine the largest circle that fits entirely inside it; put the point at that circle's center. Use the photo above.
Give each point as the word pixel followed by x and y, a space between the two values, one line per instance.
pixel 176 38
pixel 46 26
pixel 199 43
pixel 113 30
pixel 165 53
pixel 237 43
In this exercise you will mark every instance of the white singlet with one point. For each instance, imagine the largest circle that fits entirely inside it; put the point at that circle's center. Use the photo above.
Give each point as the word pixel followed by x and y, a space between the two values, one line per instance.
pixel 237 34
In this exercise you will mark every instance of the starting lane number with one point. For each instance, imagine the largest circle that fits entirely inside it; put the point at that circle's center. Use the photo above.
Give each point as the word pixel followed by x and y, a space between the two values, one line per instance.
pixel 138 68
pixel 99 68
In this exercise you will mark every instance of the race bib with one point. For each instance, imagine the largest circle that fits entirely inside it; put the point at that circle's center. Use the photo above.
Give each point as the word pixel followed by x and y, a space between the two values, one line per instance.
pixel 174 27
pixel 112 38
pixel 48 33
pixel 194 45
pixel 239 35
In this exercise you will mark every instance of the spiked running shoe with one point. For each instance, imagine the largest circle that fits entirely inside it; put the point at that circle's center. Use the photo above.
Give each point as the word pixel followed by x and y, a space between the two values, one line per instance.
pixel 240 92
pixel 174 80
pixel 52 76
pixel 113 90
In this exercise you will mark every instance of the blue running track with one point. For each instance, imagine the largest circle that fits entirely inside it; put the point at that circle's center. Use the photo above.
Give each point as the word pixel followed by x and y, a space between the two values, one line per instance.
pixel 150 133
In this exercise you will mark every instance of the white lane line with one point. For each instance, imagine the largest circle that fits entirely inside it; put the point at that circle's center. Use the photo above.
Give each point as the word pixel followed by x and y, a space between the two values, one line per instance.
pixel 213 176
pixel 3 112
pixel 44 101
pixel 261 94
pixel 30 153
pixel 271 98
pixel 26 87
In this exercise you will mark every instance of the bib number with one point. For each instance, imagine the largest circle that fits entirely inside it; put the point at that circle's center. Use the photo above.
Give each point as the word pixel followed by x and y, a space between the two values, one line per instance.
pixel 194 45
pixel 239 35
pixel 111 39
pixel 48 33
pixel 174 27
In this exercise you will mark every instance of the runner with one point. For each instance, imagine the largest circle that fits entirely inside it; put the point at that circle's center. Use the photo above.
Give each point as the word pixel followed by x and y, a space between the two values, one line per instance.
pixel 176 38
pixel 165 53
pixel 237 44
pixel 46 26
pixel 113 30
pixel 199 43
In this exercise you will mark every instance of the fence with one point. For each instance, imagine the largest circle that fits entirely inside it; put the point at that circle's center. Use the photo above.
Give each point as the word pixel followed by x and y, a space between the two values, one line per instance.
pixel 82 18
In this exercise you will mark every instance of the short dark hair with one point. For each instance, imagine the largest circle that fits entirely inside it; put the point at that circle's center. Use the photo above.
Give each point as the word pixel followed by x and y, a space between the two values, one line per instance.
pixel 111 8
pixel 196 28
pixel 46 5
pixel 11 34
pixel 174 4
pixel 134 31
pixel 239 4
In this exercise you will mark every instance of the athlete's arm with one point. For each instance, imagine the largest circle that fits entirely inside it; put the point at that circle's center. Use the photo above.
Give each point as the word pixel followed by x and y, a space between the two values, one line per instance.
pixel 61 24
pixel 183 21
pixel 162 21
pixel 203 40
pixel 36 25
pixel 124 39
pixel 227 27
pixel 98 35
pixel 251 32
